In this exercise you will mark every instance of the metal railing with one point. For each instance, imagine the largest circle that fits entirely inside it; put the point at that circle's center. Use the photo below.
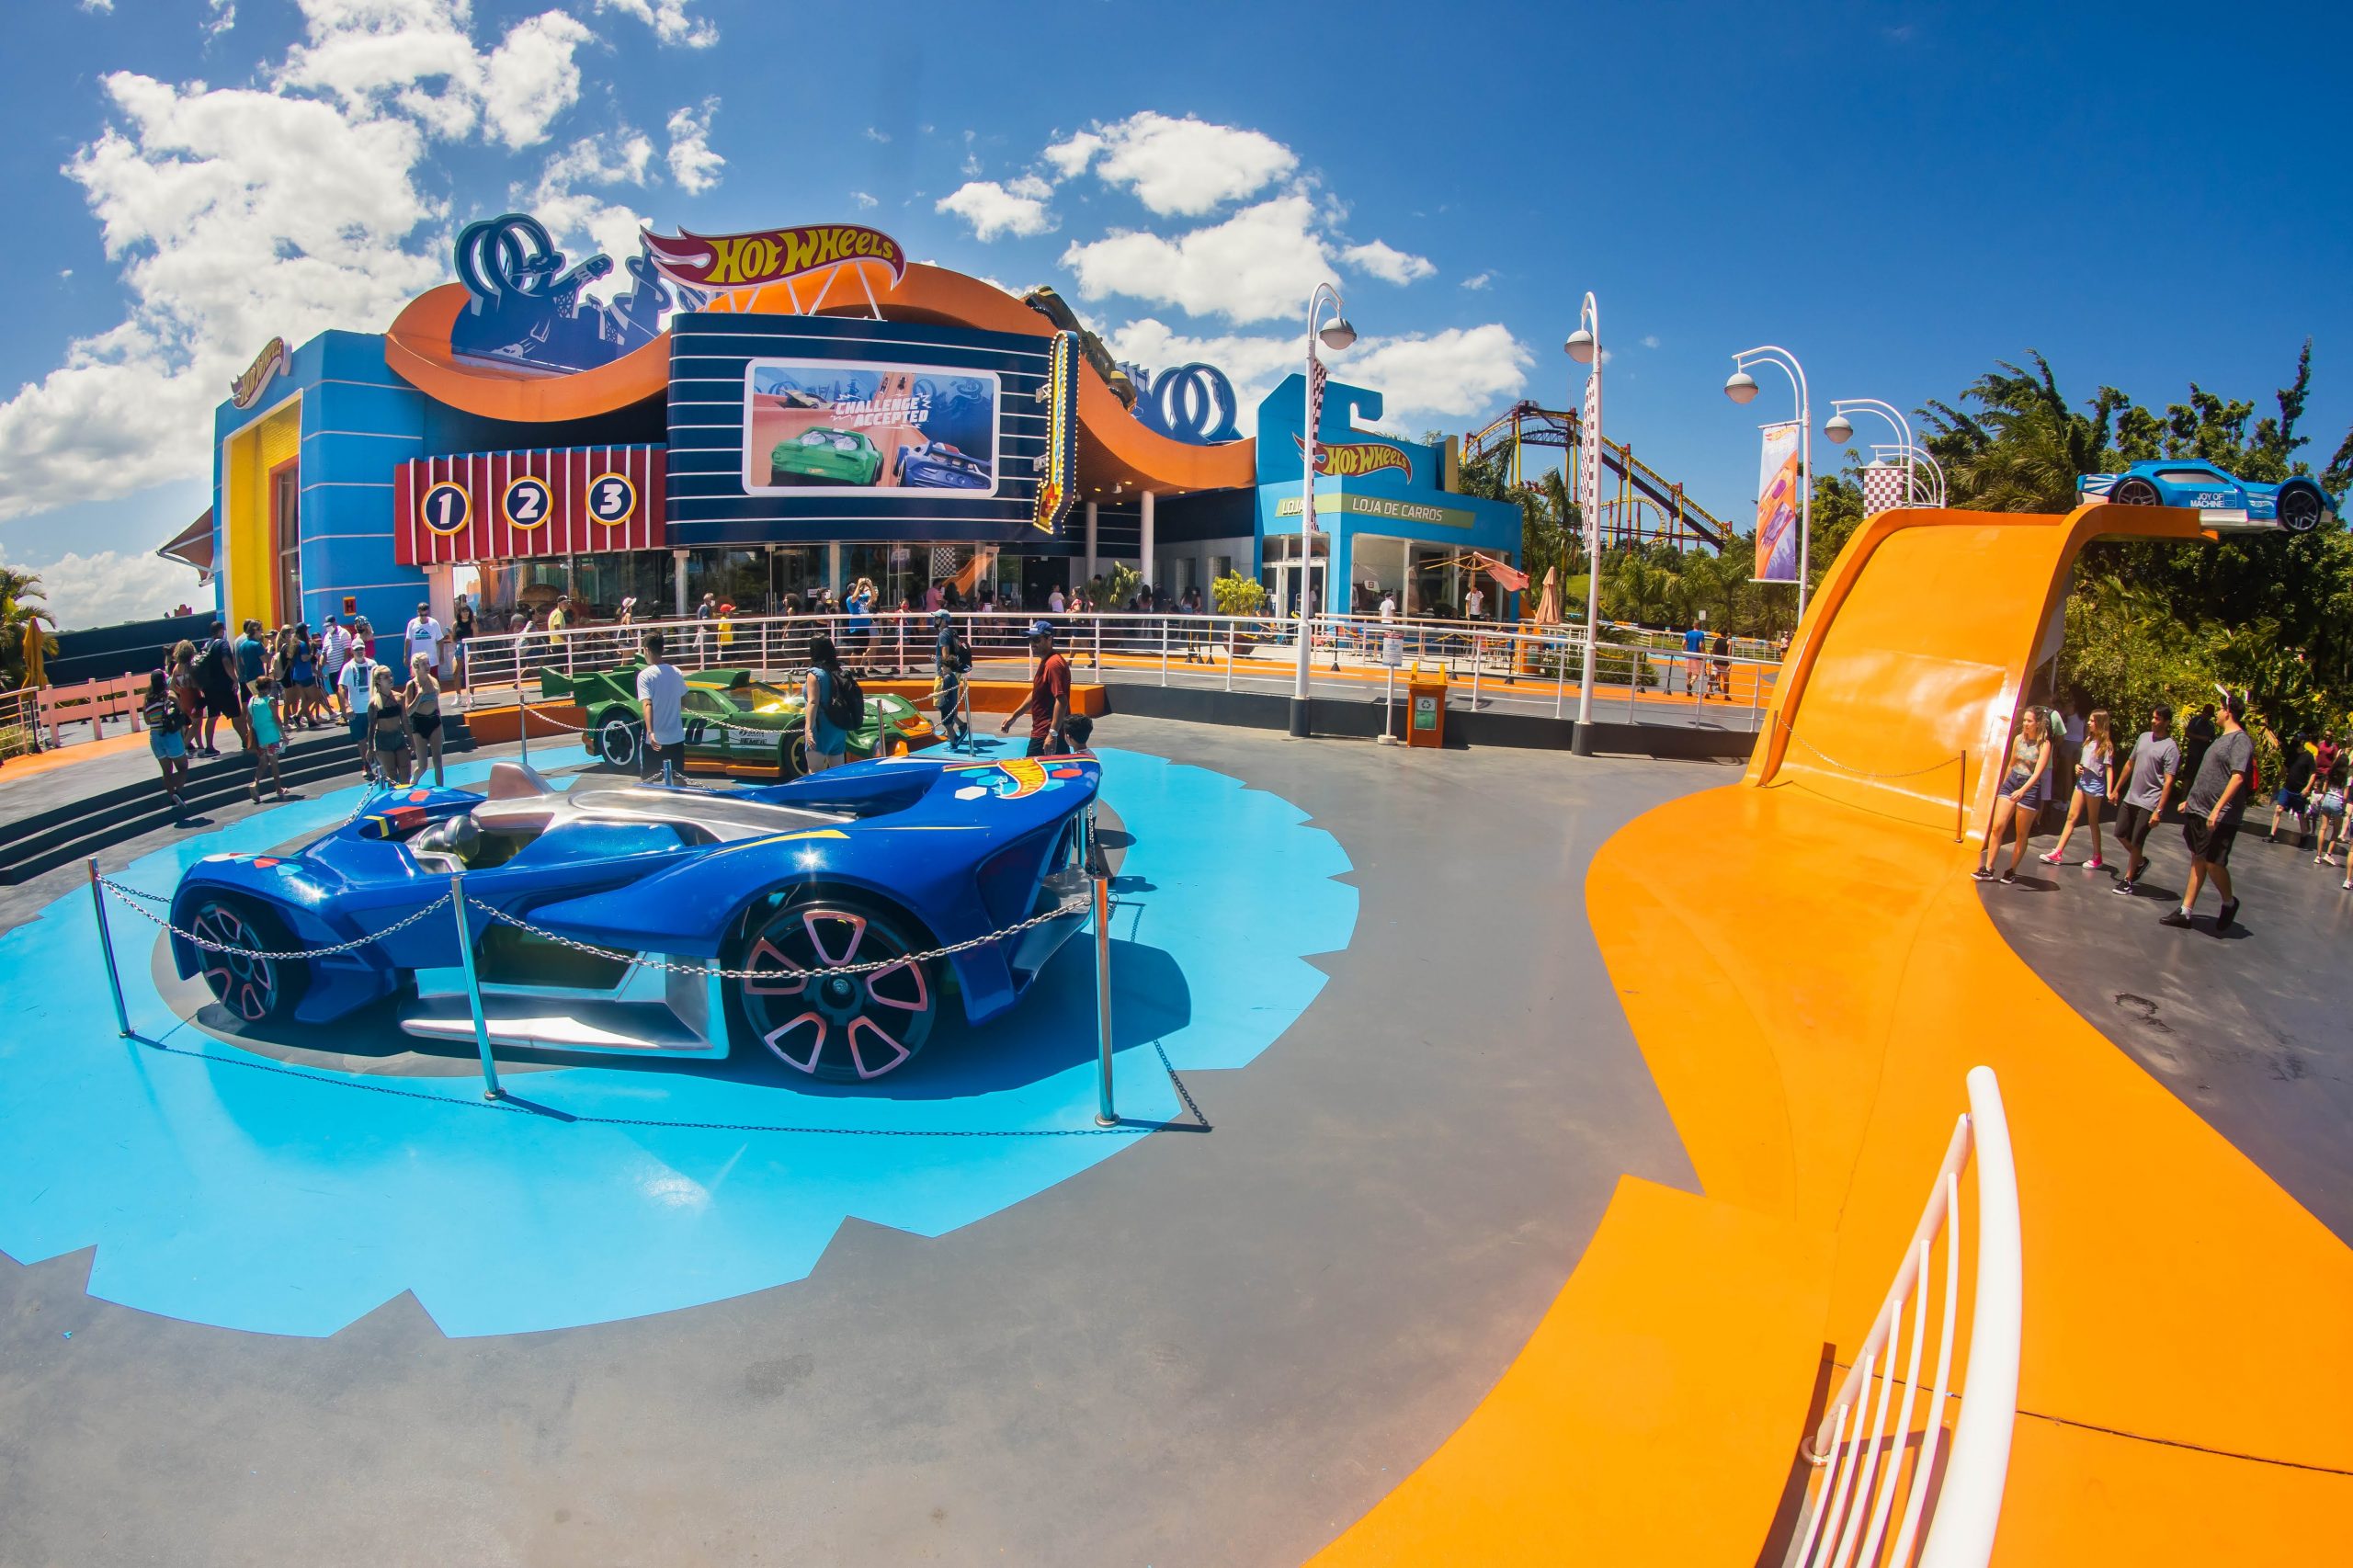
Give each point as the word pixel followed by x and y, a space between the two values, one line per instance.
pixel 1507 667
pixel 19 722
pixel 1860 1469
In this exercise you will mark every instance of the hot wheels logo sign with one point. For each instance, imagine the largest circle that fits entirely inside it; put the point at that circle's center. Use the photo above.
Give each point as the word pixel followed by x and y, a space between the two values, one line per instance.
pixel 1354 459
pixel 246 390
pixel 770 255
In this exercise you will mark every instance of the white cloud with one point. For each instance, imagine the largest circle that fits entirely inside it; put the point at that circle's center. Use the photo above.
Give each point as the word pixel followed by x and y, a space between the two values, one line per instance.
pixel 692 162
pixel 1071 157
pixel 98 7
pixel 107 586
pixel 668 20
pixel 864 201
pixel 1258 263
pixel 993 208
pixel 1175 167
pixel 224 17
pixel 1649 340
pixel 874 135
pixel 1478 280
pixel 304 203
pixel 1387 263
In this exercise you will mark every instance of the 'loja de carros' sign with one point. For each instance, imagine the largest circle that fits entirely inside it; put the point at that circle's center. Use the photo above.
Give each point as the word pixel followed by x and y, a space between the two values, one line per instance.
pixel 246 390
pixel 771 255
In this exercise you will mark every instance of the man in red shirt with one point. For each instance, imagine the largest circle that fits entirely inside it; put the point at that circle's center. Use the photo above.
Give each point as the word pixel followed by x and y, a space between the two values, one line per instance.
pixel 1049 701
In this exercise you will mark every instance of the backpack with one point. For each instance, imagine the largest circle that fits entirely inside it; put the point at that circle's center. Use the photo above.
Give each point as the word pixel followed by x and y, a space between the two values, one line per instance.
pixel 844 706
pixel 959 653
pixel 163 715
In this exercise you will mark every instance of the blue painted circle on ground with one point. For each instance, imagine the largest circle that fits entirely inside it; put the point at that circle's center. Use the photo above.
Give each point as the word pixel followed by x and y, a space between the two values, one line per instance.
pixel 221 1186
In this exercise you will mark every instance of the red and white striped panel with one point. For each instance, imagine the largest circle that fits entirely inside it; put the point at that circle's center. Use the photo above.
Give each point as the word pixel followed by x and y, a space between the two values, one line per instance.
pixel 572 475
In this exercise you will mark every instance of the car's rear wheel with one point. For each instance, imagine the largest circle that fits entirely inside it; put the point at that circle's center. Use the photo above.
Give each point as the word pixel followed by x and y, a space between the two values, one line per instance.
pixel 2135 493
pixel 793 755
pixel 2299 509
pixel 619 742
pixel 237 933
pixel 843 1028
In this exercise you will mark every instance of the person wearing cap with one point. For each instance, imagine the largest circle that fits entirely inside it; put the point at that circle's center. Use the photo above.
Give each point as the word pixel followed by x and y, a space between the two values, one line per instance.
pixel 334 651
pixel 424 636
pixel 1048 703
pixel 2210 816
pixel 951 656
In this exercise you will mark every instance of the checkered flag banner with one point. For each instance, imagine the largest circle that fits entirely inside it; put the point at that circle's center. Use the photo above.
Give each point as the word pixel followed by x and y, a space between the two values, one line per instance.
pixel 1884 487
pixel 1589 475
pixel 1314 399
pixel 943 562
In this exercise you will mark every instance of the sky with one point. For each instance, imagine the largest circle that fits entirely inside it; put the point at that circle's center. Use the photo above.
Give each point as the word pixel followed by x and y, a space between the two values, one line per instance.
pixel 1900 195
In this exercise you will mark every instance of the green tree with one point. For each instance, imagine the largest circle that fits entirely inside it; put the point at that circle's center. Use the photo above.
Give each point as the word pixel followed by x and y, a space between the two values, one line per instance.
pixel 21 605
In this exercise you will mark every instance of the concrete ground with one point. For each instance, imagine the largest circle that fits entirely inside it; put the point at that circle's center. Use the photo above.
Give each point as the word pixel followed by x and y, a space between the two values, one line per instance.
pixel 2250 1030
pixel 1217 1349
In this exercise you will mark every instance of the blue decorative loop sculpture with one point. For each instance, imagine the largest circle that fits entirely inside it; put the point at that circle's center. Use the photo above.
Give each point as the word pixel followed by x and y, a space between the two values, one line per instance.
pixel 527 310
pixel 1193 403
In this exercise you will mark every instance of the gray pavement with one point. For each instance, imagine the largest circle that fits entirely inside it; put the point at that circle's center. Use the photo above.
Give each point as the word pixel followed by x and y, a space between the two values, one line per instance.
pixel 1216 1349
pixel 2253 1030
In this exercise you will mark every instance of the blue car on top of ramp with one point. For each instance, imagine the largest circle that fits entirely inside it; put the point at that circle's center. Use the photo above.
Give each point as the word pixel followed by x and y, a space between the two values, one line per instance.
pixel 2222 500
pixel 602 916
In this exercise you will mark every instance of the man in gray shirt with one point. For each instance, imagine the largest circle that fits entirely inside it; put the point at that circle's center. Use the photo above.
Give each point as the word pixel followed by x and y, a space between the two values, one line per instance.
pixel 2148 779
pixel 2210 817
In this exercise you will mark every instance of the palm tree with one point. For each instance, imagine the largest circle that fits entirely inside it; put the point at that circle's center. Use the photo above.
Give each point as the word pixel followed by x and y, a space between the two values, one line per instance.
pixel 2024 449
pixel 21 605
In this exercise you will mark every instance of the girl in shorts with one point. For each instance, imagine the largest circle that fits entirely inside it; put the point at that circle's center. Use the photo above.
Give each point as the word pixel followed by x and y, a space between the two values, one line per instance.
pixel 423 699
pixel 166 725
pixel 2025 785
pixel 263 713
pixel 388 727
pixel 2095 786
pixel 2328 804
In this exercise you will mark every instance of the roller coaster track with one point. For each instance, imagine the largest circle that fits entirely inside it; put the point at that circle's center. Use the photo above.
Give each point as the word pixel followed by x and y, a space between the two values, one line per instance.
pixel 1681 520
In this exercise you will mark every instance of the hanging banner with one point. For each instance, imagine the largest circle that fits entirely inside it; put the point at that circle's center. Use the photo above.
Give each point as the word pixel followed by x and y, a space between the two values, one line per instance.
pixel 1777 505
pixel 1059 487
pixel 1589 470
pixel 1885 487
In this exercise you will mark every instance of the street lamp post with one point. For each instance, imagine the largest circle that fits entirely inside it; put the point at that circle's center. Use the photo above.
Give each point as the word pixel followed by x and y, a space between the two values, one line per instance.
pixel 1336 334
pixel 1841 429
pixel 1741 387
pixel 1584 347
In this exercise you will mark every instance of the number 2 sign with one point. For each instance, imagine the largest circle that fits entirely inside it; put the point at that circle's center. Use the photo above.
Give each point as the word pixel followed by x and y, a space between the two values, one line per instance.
pixel 526 503
pixel 446 508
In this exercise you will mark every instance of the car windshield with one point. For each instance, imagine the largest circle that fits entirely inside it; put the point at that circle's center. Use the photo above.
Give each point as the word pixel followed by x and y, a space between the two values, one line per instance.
pixel 761 698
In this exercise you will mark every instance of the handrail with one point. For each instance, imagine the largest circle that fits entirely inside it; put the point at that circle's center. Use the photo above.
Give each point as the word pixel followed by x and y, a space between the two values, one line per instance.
pixel 1847 1515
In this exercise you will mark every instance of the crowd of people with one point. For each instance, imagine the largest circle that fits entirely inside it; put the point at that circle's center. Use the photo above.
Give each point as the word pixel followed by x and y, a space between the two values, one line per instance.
pixel 2205 779
pixel 269 684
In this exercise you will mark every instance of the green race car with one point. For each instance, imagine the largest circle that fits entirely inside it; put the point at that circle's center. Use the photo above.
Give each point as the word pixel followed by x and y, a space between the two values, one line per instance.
pixel 822 455
pixel 735 722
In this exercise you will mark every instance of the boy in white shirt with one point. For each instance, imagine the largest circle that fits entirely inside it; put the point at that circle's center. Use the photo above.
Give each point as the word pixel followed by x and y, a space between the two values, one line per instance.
pixel 661 702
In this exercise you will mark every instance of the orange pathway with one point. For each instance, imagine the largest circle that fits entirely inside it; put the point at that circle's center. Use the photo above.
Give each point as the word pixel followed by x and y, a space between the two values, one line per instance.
pixel 1810 973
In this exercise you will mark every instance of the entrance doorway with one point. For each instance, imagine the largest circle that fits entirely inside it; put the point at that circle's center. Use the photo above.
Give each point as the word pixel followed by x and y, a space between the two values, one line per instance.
pixel 286 540
pixel 1040 576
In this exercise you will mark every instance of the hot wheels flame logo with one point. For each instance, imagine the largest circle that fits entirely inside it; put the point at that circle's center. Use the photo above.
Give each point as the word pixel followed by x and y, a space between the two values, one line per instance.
pixel 246 390
pixel 1354 459
pixel 770 255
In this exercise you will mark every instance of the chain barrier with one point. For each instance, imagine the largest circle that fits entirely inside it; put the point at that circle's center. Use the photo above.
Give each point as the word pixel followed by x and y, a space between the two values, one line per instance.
pixel 1076 906
pixel 1859 772
pixel 128 894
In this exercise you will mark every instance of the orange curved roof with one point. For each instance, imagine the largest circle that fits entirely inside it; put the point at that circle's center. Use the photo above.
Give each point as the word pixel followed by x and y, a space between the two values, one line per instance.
pixel 1116 450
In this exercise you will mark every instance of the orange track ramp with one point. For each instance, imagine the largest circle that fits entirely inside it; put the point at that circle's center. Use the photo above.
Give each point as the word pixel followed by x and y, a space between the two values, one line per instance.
pixel 1810 974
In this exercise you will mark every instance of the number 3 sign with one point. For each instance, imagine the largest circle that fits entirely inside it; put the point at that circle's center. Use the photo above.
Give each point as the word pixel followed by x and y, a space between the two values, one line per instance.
pixel 612 499
pixel 447 508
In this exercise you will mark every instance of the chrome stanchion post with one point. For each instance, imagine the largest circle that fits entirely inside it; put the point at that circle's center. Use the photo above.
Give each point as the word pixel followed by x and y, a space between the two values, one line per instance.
pixel 1389 709
pixel 1477 660
pixel 106 946
pixel 490 1090
pixel 1099 869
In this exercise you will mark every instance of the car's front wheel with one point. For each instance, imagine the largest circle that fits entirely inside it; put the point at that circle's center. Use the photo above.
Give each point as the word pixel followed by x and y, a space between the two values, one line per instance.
pixel 2299 509
pixel 2135 493
pixel 619 742
pixel 844 1028
pixel 793 755
pixel 238 938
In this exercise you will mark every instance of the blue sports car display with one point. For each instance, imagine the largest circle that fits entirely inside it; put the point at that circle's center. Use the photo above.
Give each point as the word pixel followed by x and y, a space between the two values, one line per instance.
pixel 858 866
pixel 938 466
pixel 2221 500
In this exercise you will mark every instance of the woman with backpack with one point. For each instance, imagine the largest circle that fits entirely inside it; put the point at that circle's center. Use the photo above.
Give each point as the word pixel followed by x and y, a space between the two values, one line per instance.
pixel 167 722
pixel 831 706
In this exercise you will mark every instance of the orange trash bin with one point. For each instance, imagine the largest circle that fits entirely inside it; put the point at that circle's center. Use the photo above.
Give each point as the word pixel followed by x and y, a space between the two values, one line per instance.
pixel 1426 709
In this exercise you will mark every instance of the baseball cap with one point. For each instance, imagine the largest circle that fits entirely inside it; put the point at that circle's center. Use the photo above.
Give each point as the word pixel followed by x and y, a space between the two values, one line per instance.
pixel 1041 629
